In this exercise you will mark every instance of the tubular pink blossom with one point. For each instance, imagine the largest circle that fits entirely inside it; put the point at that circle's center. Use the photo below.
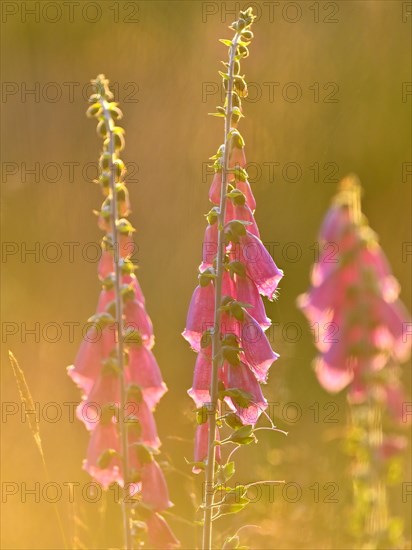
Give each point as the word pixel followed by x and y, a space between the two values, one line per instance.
pixel 154 489
pixel 200 316
pixel 260 266
pixel 247 292
pixel 137 319
pixel 242 213
pixel 144 371
pixel 209 247
pixel 336 222
pixel 201 445
pixel 104 438
pixel 214 191
pixel 105 391
pixel 257 352
pixel 88 362
pixel 136 409
pixel 241 377
pixel 199 391
pixel 237 157
pixel 244 186
pixel 160 535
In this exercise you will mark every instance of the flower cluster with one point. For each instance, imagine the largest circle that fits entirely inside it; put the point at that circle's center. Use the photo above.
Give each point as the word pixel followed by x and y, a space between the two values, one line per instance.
pixel 354 291
pixel 115 367
pixel 248 272
pixel 354 300
pixel 226 321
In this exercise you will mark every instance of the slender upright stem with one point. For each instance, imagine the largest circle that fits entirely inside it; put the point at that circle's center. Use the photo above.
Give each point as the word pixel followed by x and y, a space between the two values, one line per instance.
pixel 120 332
pixel 216 343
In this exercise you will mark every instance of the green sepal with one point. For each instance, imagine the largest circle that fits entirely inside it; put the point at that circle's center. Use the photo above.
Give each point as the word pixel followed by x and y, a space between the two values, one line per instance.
pixel 206 277
pixel 243 436
pixel 237 197
pixel 102 319
pixel 233 421
pixel 237 267
pixel 201 415
pixel 212 215
pixel 105 458
pixel 124 227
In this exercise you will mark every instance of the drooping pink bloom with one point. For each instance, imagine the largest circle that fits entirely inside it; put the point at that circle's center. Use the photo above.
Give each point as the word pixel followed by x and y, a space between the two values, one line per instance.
pixel 200 390
pixel 136 318
pixel 96 346
pixel 260 266
pixel 241 377
pixel 159 533
pixel 247 292
pixel 242 213
pixel 209 247
pixel 138 410
pixel 105 391
pixel 201 445
pixel 244 186
pixel 237 157
pixel 200 316
pixel 144 371
pixel 102 460
pixel 154 489
pixel 257 352
pixel 216 185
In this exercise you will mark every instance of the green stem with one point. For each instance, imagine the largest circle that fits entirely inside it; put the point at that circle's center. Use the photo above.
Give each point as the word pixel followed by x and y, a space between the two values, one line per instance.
pixel 216 344
pixel 120 334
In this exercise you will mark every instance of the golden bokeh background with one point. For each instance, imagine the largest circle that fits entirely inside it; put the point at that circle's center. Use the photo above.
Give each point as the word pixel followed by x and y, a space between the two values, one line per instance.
pixel 326 98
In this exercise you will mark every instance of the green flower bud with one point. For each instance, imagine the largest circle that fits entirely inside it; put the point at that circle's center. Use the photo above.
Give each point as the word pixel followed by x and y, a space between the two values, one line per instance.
pixel 247 34
pixel 94 110
pixel 104 161
pixel 102 128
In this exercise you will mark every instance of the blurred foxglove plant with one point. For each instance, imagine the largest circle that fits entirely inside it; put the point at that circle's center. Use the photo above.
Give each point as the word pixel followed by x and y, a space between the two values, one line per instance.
pixel 226 321
pixel 115 367
pixel 354 301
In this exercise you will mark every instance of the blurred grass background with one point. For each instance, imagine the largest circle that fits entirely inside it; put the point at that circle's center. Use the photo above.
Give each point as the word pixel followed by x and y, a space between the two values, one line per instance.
pixel 166 60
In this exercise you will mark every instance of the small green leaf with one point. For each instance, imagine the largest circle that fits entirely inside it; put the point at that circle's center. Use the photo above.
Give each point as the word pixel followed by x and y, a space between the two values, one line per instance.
pixel 207 277
pixel 225 42
pixel 238 396
pixel 243 436
pixel 233 421
pixel 225 76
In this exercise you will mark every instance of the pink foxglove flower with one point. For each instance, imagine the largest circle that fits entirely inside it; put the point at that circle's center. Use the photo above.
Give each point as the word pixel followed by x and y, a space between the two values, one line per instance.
pixel 115 367
pixel 160 534
pixel 226 320
pixel 357 294
pixel 354 293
